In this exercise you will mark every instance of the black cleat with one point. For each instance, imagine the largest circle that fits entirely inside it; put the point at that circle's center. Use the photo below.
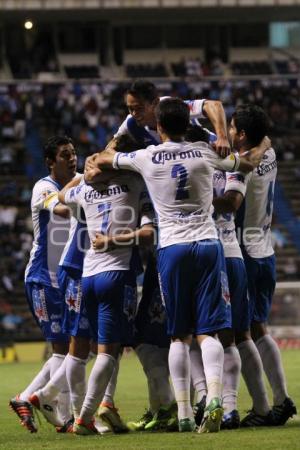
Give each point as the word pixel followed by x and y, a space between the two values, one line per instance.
pixel 283 412
pixel 24 410
pixel 231 420
pixel 256 420
pixel 198 410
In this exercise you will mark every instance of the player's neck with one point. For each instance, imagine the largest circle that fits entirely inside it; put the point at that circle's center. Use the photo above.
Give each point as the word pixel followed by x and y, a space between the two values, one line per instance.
pixel 175 138
pixel 245 148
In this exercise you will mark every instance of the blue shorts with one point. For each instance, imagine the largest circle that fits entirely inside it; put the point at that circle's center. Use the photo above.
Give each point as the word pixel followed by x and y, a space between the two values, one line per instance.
pixel 237 280
pixel 261 274
pixel 151 321
pixel 46 304
pixel 75 321
pixel 194 287
pixel 111 301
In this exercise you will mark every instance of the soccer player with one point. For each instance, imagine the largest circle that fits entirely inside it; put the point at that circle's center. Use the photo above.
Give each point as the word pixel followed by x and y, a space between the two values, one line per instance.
pixel 249 123
pixel 108 284
pixel 141 100
pixel 42 291
pixel 191 264
pixel 75 324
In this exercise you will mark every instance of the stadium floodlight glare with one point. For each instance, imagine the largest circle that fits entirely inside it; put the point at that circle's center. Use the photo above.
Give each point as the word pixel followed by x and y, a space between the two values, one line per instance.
pixel 28 25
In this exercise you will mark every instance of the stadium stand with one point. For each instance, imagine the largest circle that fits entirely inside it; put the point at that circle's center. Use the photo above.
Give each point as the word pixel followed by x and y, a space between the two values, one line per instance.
pixel 90 113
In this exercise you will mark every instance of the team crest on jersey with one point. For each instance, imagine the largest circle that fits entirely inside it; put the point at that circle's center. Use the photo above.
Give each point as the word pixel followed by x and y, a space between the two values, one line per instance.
pixel 130 302
pixel 73 295
pixel 39 305
pixel 225 287
pixel 156 309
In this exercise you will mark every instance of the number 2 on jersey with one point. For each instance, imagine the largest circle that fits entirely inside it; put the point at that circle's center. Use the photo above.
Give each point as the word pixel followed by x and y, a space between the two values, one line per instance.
pixel 180 172
pixel 104 209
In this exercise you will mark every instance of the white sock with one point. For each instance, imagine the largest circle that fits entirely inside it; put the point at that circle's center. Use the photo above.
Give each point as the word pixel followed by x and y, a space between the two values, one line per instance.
pixel 112 384
pixel 272 363
pixel 231 378
pixel 75 372
pixel 252 370
pixel 156 369
pixel 40 380
pixel 180 371
pixel 57 383
pixel 213 360
pixel 99 378
pixel 55 362
pixel 197 371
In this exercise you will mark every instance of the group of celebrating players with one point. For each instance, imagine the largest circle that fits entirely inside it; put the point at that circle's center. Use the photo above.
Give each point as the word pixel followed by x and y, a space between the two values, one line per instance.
pixel 168 201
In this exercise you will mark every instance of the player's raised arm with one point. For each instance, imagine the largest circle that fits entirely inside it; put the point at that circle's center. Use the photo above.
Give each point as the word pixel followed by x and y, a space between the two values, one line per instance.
pixel 214 111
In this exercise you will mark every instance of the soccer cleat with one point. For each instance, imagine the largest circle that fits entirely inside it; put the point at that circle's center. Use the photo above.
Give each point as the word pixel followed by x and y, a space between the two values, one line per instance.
pixel 281 413
pixel 173 424
pixel 186 425
pixel 141 423
pixel 47 408
pixel 212 417
pixel 256 420
pixel 24 410
pixel 84 429
pixel 109 414
pixel 230 420
pixel 67 427
pixel 199 410
pixel 162 418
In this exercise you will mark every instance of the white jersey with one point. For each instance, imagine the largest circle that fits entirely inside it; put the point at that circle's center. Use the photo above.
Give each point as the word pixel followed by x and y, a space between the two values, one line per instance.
pixel 50 234
pixel 114 209
pixel 147 136
pixel 179 180
pixel 225 222
pixel 258 189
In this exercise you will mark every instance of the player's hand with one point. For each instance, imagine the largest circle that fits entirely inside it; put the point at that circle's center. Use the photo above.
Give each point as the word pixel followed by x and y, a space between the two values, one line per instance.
pixel 222 146
pixel 266 142
pixel 101 242
pixel 91 162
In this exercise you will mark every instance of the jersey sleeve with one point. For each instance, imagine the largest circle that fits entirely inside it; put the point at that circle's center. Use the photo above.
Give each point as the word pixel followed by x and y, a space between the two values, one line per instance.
pixel 123 129
pixel 130 161
pixel 146 210
pixel 229 164
pixel 196 108
pixel 75 195
pixel 237 181
pixel 44 192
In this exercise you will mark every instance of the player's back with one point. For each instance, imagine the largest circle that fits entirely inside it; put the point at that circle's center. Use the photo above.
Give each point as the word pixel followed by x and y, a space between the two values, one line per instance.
pixel 179 179
pixel 50 234
pixel 259 207
pixel 111 209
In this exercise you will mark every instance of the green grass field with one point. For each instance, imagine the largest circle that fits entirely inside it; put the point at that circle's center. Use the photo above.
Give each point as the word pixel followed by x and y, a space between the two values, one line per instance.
pixel 131 398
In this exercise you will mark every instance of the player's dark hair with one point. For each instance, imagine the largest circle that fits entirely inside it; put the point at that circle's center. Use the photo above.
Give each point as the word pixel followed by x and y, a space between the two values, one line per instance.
pixel 126 144
pixel 253 120
pixel 52 145
pixel 173 115
pixel 143 90
pixel 196 133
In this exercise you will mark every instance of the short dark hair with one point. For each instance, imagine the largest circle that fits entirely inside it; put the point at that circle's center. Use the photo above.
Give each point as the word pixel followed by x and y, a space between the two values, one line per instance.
pixel 253 120
pixel 196 133
pixel 144 90
pixel 173 115
pixel 52 144
pixel 126 144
